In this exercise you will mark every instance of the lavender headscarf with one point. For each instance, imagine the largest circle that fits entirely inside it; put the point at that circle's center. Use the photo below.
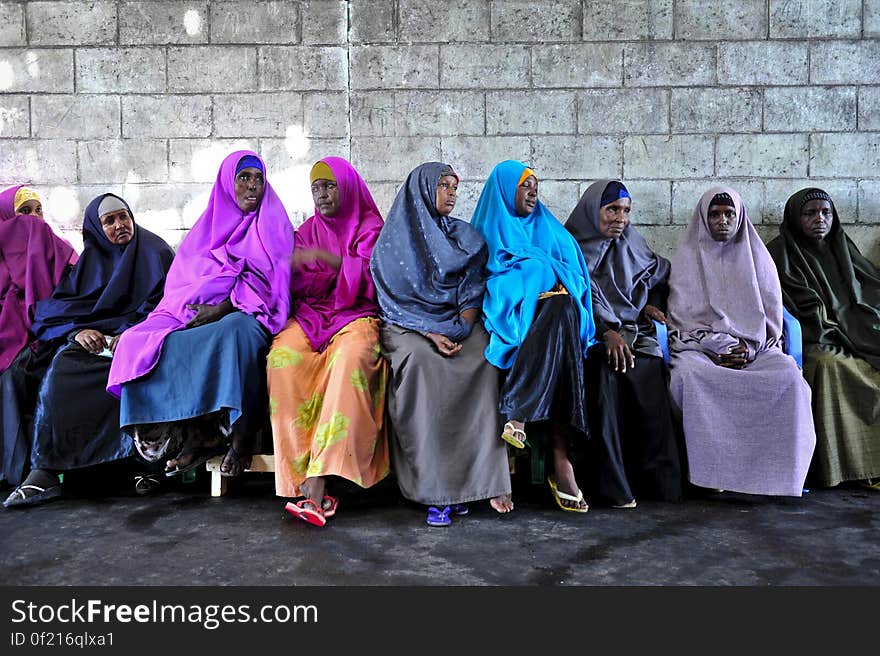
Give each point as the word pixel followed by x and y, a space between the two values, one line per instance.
pixel 33 260
pixel 721 292
pixel 226 255
pixel 324 300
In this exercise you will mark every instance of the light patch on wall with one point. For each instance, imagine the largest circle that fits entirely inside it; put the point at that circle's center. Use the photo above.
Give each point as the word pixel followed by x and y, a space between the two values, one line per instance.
pixel 296 142
pixel 292 186
pixel 7 116
pixel 62 205
pixel 32 62
pixel 160 222
pixel 205 162
pixel 7 75
pixel 193 209
pixel 192 22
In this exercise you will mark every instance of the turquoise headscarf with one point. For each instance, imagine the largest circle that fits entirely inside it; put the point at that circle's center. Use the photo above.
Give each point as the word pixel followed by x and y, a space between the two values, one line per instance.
pixel 527 256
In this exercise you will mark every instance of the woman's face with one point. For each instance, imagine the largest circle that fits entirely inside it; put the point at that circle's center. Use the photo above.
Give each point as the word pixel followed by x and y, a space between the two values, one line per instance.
pixel 447 192
pixel 249 185
pixel 614 217
pixel 526 196
pixel 32 206
pixel 118 226
pixel 722 222
pixel 325 193
pixel 817 217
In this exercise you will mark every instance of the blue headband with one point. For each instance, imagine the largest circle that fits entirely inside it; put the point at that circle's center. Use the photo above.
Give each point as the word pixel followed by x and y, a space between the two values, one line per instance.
pixel 248 162
pixel 614 190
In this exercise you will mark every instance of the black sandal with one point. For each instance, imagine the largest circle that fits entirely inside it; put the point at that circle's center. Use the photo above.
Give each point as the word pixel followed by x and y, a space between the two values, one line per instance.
pixel 31 495
pixel 146 483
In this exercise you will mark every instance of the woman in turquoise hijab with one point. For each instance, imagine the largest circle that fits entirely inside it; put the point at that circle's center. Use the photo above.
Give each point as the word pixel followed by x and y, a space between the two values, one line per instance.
pixel 539 317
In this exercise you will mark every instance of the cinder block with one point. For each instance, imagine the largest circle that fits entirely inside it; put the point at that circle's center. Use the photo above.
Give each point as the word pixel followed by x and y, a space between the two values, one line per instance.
pixel 168 116
pixel 440 113
pixel 809 109
pixel 763 62
pixel 869 203
pixel 169 208
pixel 324 22
pixel 71 23
pixel 668 64
pixel 843 62
pixel 664 240
pixel 520 20
pixel 481 66
pixel 623 111
pixel 638 19
pixel 687 193
pixel 762 155
pixel 162 22
pixel 716 109
pixel 120 70
pixel 37 162
pixel 651 200
pixel 559 197
pixel 15 116
pixel 75 117
pixel 392 158
pixel 372 113
pixel 792 19
pixel 872 19
pixel 869 108
pixel 575 158
pixel 372 21
pixel 580 65
pixel 426 21
pixel 475 157
pixel 720 19
pixel 122 160
pixel 31 71
pixel 678 156
pixel 256 114
pixel 531 112
pixel 303 68
pixel 394 67
pixel 777 192
pixel 325 115
pixel 198 160
pixel 254 21
pixel 384 194
pixel 845 155
pixel 867 240
pixel 12 20
pixel 212 69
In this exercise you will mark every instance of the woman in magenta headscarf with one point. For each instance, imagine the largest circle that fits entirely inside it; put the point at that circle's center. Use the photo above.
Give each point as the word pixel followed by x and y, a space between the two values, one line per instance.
pixel 325 370
pixel 192 372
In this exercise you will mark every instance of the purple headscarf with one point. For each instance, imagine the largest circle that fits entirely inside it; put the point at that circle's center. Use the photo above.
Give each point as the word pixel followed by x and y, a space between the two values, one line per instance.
pixel 723 291
pixel 33 260
pixel 324 300
pixel 244 258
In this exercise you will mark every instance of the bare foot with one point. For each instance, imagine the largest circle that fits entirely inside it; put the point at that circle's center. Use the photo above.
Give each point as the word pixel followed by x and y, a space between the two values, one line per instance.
pixel 502 503
pixel 565 480
pixel 314 488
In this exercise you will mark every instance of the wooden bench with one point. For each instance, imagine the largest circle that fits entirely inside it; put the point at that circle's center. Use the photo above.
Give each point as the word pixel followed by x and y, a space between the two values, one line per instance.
pixel 259 463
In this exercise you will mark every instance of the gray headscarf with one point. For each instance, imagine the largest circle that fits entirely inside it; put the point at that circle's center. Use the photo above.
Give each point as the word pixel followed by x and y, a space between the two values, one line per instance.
pixel 623 271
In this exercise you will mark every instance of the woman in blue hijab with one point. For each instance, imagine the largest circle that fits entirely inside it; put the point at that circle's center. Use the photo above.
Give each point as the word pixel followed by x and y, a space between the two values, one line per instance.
pixel 538 314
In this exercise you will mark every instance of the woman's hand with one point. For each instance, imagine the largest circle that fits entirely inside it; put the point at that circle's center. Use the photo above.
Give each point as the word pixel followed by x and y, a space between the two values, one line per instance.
pixel 303 256
pixel 619 354
pixel 445 345
pixel 737 358
pixel 469 316
pixel 208 313
pixel 654 313
pixel 91 340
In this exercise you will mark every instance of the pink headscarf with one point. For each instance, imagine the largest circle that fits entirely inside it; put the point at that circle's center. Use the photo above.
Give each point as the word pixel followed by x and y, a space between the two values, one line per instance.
pixel 324 300
pixel 32 261
pixel 226 255
pixel 723 291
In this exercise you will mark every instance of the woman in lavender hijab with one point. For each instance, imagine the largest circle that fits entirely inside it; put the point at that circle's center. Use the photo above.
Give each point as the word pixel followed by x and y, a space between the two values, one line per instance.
pixel 191 376
pixel 745 407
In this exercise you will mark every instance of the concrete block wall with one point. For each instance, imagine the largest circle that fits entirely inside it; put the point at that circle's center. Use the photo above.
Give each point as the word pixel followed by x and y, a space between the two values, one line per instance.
pixel 146 97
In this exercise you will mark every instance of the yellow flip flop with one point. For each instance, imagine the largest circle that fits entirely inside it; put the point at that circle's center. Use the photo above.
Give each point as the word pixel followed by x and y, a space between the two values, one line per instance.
pixel 559 496
pixel 514 436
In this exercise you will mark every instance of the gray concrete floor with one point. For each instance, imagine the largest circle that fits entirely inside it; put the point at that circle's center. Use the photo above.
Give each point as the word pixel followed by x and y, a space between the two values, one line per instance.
pixel 184 537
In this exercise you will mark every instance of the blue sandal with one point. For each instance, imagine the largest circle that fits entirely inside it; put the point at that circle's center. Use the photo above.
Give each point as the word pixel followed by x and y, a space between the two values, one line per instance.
pixel 459 509
pixel 437 517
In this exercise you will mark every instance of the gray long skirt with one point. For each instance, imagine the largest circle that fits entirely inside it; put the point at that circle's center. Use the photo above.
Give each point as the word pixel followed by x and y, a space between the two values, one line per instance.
pixel 446 444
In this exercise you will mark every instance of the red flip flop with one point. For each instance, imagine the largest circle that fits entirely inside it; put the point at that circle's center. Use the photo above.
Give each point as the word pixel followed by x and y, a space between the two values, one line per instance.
pixel 307 510
pixel 333 501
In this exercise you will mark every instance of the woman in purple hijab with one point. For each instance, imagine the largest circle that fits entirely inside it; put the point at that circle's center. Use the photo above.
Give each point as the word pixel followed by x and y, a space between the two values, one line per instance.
pixel 190 377
pixel 326 373
pixel 745 407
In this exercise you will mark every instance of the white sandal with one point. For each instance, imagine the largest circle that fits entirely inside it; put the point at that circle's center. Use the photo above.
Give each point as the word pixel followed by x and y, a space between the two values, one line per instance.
pixel 513 436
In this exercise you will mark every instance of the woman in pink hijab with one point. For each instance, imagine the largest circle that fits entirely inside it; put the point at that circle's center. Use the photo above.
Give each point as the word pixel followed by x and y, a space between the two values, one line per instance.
pixel 190 376
pixel 325 370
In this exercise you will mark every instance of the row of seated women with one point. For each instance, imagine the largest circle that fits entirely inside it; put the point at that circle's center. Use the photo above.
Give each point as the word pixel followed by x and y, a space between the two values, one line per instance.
pixel 438 346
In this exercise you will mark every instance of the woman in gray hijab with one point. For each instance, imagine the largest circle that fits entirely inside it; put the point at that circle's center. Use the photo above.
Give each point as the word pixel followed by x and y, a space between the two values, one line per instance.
pixel 634 445
pixel 428 268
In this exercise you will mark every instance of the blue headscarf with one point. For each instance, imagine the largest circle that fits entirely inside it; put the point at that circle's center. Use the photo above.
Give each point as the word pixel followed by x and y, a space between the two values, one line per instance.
pixel 528 255
pixel 111 287
pixel 427 268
